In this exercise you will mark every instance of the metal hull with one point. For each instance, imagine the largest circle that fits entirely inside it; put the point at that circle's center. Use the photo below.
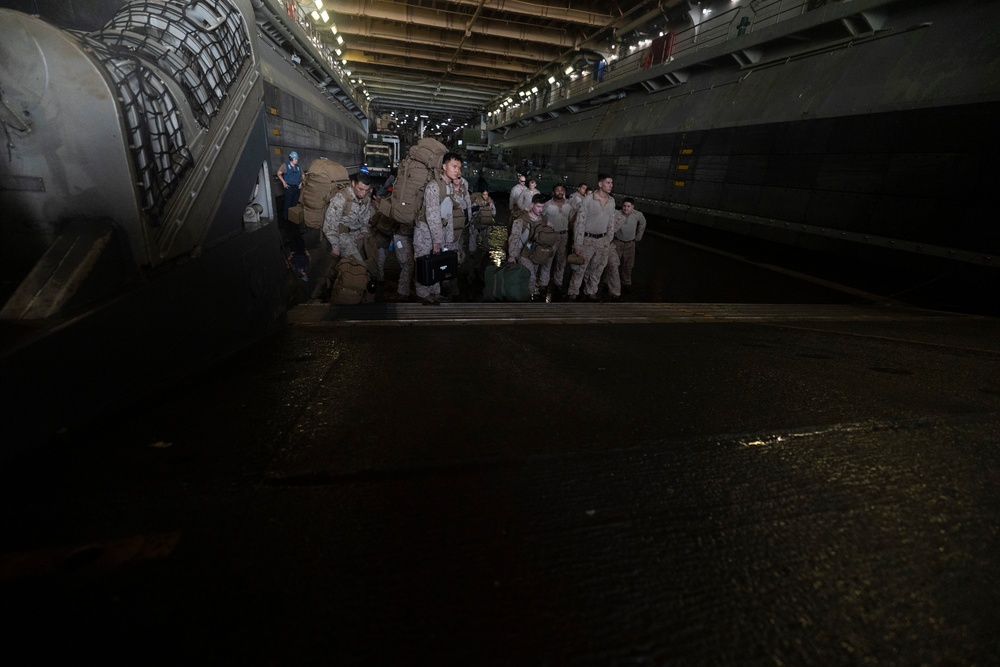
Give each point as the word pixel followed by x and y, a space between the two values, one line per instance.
pixel 115 288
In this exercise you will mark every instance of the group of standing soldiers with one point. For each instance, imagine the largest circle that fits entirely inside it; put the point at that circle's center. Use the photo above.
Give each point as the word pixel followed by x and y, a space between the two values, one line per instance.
pixel 540 228
pixel 603 238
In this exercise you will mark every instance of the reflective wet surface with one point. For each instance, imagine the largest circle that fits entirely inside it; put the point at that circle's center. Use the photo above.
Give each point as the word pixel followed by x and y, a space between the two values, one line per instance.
pixel 710 484
pixel 733 466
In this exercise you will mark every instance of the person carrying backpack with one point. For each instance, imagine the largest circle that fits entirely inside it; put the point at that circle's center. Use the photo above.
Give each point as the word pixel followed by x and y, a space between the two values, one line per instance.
pixel 532 243
pixel 346 222
pixel 445 196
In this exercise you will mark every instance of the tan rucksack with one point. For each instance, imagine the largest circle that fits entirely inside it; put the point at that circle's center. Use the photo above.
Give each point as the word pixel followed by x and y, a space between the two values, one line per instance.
pixel 421 164
pixel 352 283
pixel 322 181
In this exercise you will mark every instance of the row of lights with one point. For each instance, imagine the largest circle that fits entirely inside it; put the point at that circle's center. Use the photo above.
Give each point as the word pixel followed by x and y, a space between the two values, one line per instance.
pixel 320 14
pixel 571 72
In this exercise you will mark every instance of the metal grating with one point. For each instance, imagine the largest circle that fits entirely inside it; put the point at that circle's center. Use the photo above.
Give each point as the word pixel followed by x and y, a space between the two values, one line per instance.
pixel 202 45
pixel 390 314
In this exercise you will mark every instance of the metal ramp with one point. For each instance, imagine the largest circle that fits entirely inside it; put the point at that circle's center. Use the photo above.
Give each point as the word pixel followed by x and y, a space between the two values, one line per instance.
pixel 406 314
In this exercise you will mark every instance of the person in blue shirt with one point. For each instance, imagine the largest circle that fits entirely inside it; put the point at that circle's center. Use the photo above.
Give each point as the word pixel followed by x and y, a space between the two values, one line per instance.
pixel 290 175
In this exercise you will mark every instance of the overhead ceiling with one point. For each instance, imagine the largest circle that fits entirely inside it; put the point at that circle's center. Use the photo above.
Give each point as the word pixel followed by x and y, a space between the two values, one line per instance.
pixel 442 58
pixel 453 57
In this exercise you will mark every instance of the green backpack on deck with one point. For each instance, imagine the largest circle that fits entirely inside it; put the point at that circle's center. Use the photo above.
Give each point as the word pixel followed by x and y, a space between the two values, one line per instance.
pixel 507 282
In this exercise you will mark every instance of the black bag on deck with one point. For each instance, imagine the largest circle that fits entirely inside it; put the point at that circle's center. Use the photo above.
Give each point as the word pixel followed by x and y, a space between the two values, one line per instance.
pixel 431 269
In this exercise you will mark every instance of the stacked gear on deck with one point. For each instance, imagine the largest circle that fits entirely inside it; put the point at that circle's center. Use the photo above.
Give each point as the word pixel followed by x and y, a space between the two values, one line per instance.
pixel 353 284
pixel 324 179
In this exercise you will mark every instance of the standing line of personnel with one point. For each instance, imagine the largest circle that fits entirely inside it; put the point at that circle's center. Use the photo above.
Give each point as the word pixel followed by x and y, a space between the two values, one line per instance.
pixel 545 234
pixel 603 239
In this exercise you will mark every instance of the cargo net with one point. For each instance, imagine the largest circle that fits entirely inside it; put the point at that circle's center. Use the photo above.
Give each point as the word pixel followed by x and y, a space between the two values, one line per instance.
pixel 202 45
pixel 155 131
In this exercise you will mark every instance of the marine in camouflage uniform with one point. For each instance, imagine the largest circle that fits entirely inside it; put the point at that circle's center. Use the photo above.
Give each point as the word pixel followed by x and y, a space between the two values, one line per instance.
pixel 435 229
pixel 629 234
pixel 347 232
pixel 557 211
pixel 594 226
pixel 520 235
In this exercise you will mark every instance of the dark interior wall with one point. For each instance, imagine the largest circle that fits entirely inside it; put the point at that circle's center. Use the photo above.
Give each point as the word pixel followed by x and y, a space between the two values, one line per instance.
pixel 919 175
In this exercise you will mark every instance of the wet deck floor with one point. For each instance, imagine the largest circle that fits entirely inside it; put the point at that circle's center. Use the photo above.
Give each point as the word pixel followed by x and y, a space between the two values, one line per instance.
pixel 698 482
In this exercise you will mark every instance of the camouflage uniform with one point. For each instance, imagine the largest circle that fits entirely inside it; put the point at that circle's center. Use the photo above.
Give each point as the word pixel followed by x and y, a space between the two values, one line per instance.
pixel 558 217
pixel 436 224
pixel 524 199
pixel 347 233
pixel 519 235
pixel 402 241
pixel 632 227
pixel 477 237
pixel 515 194
pixel 594 226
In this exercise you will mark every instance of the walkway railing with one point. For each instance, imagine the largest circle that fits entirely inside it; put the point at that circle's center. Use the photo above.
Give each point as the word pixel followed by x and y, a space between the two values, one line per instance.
pixel 712 31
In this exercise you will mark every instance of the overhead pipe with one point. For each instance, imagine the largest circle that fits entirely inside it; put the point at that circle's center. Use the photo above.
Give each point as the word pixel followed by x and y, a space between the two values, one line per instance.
pixel 436 71
pixel 365 55
pixel 442 39
pixel 537 11
pixel 443 86
pixel 429 18
pixel 424 94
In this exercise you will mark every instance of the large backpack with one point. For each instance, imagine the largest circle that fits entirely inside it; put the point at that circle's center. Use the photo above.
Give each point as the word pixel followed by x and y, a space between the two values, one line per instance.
pixel 482 214
pixel 324 179
pixel 352 283
pixel 418 168
pixel 540 246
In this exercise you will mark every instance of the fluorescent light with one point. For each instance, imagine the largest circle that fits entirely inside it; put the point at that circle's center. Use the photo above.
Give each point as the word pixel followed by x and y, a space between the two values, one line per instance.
pixel 568 70
pixel 333 28
pixel 340 40
pixel 315 15
pixel 552 79
pixel 325 15
pixel 319 4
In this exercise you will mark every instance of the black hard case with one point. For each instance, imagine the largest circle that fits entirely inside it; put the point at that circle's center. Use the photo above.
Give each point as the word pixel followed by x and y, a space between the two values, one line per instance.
pixel 433 269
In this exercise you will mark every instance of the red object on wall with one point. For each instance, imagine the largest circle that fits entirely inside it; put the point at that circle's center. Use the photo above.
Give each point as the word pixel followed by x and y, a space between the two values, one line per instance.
pixel 663 48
